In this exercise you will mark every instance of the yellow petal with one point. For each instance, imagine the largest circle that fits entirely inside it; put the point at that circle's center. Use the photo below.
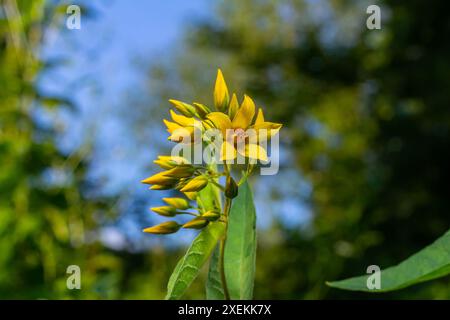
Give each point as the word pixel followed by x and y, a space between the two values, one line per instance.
pixel 181 134
pixel 182 120
pixel 270 127
pixel 259 117
pixel 234 106
pixel 254 151
pixel 245 114
pixel 227 152
pixel 171 126
pixel 221 96
pixel 220 121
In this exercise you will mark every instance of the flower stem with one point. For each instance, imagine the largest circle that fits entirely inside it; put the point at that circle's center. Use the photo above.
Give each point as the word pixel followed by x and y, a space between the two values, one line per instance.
pixel 226 211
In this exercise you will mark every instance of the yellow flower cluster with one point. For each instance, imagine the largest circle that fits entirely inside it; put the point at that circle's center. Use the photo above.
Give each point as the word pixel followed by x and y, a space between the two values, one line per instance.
pixel 240 132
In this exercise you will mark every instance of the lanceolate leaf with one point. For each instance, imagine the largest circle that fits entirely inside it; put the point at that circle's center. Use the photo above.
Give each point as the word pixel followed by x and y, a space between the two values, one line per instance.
pixel 429 263
pixel 196 256
pixel 240 248
pixel 214 290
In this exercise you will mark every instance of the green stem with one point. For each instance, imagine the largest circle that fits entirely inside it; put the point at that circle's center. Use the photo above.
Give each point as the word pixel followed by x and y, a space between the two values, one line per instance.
pixel 222 251
pixel 226 212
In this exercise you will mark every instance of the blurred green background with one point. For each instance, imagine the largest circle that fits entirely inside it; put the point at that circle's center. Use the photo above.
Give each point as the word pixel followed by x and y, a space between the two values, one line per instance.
pixel 364 175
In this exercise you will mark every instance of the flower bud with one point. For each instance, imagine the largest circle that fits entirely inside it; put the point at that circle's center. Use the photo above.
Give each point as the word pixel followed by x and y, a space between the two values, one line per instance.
pixel 196 223
pixel 165 211
pixel 161 187
pixel 234 106
pixel 221 97
pixel 184 108
pixel 181 171
pixel 177 203
pixel 211 215
pixel 191 195
pixel 195 184
pixel 231 188
pixel 160 179
pixel 202 110
pixel 168 162
pixel 164 228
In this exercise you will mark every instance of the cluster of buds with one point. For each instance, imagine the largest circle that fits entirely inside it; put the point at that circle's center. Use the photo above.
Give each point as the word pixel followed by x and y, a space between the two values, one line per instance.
pixel 180 175
pixel 240 134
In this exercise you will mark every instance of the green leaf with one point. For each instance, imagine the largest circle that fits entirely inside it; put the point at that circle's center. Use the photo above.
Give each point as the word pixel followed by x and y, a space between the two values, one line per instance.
pixel 429 263
pixel 240 247
pixel 209 198
pixel 214 290
pixel 189 266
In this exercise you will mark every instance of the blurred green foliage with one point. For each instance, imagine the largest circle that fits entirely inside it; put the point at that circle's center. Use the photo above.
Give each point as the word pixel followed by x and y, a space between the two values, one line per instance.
pixel 366 118
pixel 43 225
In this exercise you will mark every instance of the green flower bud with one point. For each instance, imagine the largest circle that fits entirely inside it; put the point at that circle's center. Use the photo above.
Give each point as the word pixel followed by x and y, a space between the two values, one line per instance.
pixel 184 108
pixel 178 203
pixel 231 188
pixel 180 171
pixel 202 110
pixel 196 223
pixel 211 215
pixel 164 228
pixel 165 211
pixel 195 184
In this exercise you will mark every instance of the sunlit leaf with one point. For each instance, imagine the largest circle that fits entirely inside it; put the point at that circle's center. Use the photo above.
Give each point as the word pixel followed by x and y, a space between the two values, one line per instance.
pixel 240 248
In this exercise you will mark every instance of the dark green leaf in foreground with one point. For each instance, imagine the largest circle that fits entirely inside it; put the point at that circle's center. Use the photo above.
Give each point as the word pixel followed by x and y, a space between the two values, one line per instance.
pixel 240 248
pixel 429 263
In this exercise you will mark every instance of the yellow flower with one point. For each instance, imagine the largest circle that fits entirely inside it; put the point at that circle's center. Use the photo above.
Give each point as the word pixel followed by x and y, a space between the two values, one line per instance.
pixel 221 97
pixel 240 140
pixel 243 130
pixel 164 228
